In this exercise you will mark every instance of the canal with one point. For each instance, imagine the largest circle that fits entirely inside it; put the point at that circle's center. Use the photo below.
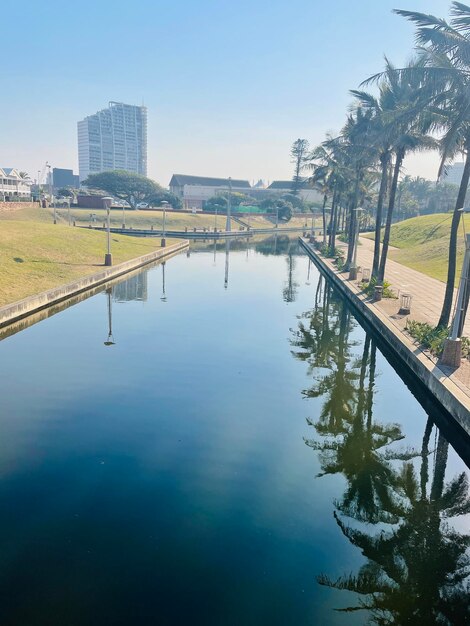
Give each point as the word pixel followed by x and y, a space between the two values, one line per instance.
pixel 218 441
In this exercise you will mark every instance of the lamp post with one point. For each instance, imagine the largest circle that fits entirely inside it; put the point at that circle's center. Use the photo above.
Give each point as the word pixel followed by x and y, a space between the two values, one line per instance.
pixel 313 225
pixel 39 188
pixel 229 206
pixel 164 204
pixel 215 220
pixel 353 268
pixel 67 200
pixel 51 197
pixel 108 257
pixel 123 216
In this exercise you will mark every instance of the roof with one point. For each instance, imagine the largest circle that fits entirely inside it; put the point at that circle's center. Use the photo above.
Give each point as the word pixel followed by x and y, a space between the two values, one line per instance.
pixel 286 184
pixel 183 179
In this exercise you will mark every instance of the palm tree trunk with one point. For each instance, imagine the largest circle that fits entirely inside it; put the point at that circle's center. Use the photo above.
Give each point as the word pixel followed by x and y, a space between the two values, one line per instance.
pixel 388 224
pixel 454 228
pixel 384 159
pixel 325 198
pixel 352 224
pixel 331 221
pixel 334 227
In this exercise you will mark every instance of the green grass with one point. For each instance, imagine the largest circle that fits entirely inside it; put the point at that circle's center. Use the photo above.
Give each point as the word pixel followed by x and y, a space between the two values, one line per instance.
pixel 35 256
pixel 423 243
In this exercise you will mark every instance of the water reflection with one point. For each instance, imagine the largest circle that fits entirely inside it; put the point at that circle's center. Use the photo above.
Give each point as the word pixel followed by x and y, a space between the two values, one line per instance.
pixel 110 339
pixel 227 258
pixel 163 297
pixel 134 288
pixel 394 509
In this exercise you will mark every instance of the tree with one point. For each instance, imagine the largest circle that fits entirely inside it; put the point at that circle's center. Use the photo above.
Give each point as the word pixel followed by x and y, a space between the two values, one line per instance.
pixel 64 192
pixel 445 48
pixel 216 203
pixel 299 155
pixel 133 188
pixel 284 210
pixel 165 196
pixel 408 122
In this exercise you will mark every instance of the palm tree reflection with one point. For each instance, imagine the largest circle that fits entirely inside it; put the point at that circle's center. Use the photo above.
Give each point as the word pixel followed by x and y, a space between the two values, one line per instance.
pixel 417 565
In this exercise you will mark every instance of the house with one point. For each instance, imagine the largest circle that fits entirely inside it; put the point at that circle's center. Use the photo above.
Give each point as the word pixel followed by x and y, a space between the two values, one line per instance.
pixel 194 191
pixel 13 187
pixel 306 192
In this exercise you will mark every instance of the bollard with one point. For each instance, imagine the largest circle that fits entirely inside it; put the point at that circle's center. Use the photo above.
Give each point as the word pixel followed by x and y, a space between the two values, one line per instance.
pixel 378 292
pixel 163 242
pixel 353 273
pixel 405 303
pixel 452 353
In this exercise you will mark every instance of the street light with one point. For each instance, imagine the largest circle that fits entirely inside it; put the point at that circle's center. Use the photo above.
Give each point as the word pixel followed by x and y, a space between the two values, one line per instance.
pixel 164 205
pixel 228 227
pixel 353 268
pixel 51 197
pixel 108 257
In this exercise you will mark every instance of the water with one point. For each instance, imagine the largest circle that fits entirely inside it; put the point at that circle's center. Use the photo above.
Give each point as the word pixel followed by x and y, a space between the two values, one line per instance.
pixel 234 450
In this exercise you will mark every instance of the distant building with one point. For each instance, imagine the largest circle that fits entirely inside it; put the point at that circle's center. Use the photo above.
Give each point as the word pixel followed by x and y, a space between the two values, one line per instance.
pixel 13 187
pixel 113 139
pixel 305 192
pixel 194 191
pixel 134 288
pixel 453 176
pixel 64 178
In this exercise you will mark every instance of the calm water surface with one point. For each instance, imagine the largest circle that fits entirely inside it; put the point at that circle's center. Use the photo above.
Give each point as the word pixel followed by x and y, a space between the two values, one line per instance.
pixel 236 451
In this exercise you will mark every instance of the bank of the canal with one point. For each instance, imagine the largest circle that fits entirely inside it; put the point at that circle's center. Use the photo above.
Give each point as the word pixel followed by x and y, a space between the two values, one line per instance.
pixel 447 392
pixel 32 304
pixel 218 440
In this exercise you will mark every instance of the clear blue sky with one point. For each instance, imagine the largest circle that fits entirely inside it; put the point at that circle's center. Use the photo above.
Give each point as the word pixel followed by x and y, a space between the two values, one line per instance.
pixel 229 85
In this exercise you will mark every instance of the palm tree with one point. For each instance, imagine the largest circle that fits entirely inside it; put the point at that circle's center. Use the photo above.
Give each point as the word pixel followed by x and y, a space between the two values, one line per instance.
pixel 403 128
pixel 446 70
pixel 416 572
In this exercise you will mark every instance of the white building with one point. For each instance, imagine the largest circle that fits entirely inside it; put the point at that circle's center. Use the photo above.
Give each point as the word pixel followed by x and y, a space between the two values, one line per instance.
pixel 305 192
pixel 194 191
pixel 113 139
pixel 13 188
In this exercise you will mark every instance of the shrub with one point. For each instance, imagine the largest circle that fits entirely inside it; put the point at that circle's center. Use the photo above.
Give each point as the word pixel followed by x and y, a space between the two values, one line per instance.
pixel 387 290
pixel 433 338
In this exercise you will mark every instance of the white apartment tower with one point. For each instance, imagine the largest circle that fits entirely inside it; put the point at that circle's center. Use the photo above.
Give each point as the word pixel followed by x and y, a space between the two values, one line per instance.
pixel 113 139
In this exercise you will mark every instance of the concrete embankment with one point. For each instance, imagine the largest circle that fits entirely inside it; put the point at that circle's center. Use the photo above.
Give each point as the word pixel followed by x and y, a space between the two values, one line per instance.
pixel 452 397
pixel 31 305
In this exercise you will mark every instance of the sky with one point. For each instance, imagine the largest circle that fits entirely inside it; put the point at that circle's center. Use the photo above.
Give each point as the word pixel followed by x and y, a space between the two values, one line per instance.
pixel 228 85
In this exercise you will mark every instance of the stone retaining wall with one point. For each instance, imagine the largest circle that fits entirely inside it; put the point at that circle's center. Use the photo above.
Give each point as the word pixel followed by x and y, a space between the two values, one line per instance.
pixel 449 395
pixel 22 308
pixel 14 206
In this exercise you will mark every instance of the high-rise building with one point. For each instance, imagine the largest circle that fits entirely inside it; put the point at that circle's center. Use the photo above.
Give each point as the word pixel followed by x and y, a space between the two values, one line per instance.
pixel 63 178
pixel 454 172
pixel 113 139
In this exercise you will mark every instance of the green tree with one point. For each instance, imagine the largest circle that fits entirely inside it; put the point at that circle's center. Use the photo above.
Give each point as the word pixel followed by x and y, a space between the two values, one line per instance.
pixel 133 188
pixel 445 49
pixel 299 154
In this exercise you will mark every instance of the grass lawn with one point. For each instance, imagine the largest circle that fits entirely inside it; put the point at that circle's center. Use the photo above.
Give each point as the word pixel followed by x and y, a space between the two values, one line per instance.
pixel 423 243
pixel 35 256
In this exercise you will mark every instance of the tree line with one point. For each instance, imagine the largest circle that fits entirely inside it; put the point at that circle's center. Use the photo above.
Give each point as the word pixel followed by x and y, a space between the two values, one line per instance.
pixel 422 106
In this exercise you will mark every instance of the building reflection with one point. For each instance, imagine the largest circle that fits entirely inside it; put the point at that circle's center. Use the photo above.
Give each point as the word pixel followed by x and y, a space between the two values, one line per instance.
pixel 134 288
pixel 397 507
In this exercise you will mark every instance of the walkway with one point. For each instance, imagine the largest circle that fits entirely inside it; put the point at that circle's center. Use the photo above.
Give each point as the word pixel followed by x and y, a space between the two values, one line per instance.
pixel 427 293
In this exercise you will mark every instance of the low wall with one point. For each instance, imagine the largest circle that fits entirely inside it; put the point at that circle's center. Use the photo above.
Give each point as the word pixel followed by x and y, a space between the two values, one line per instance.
pixel 444 390
pixel 22 308
pixel 14 206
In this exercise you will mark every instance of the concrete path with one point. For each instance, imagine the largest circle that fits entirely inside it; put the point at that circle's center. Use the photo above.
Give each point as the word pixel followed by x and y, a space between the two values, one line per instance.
pixel 427 292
